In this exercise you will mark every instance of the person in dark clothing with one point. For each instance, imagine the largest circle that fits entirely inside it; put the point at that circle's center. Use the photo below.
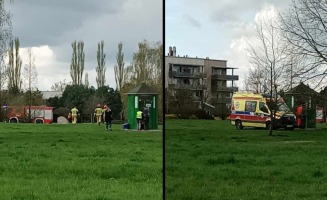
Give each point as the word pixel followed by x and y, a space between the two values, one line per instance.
pixel 108 116
pixel 146 116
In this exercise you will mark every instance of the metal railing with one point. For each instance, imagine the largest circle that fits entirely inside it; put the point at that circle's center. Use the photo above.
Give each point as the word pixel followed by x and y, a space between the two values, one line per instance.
pixel 187 74
pixel 224 77
pixel 187 86
pixel 225 89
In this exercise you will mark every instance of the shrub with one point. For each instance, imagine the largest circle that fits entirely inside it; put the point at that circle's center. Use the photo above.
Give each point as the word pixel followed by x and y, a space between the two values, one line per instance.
pixel 171 116
pixel 202 114
pixel 193 117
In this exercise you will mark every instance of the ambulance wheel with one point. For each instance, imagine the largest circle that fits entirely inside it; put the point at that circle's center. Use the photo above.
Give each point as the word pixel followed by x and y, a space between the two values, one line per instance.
pixel 290 129
pixel 238 125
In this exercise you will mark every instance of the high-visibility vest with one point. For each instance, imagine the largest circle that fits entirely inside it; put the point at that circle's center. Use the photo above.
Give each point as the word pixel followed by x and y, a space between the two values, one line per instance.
pixel 139 115
pixel 98 111
pixel 74 111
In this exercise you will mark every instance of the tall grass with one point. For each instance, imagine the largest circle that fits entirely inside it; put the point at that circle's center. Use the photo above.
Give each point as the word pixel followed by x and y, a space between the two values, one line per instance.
pixel 212 160
pixel 82 161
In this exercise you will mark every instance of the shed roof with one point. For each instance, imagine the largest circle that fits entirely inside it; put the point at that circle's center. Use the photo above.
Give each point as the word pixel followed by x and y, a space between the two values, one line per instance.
pixel 302 89
pixel 142 89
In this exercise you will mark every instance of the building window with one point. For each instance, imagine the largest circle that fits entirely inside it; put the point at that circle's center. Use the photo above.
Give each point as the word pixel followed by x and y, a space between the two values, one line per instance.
pixel 186 81
pixel 217 71
pixel 220 84
pixel 186 70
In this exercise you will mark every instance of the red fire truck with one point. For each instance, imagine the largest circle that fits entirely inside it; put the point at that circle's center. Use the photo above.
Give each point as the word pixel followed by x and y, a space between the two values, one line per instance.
pixel 39 114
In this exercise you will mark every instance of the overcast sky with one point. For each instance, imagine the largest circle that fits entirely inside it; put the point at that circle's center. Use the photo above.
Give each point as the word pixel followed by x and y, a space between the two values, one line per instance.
pixel 50 26
pixel 216 28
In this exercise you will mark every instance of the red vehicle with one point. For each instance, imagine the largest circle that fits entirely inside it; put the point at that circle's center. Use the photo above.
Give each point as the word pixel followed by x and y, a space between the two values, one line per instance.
pixel 39 114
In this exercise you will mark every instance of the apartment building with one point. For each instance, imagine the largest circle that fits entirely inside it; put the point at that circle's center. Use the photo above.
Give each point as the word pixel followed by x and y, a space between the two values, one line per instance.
pixel 210 81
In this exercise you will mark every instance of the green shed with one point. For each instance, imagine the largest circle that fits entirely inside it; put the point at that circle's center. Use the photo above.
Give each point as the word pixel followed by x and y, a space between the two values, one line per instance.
pixel 303 93
pixel 140 98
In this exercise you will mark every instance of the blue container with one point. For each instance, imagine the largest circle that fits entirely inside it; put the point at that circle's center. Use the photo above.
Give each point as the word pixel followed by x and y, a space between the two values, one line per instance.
pixel 126 126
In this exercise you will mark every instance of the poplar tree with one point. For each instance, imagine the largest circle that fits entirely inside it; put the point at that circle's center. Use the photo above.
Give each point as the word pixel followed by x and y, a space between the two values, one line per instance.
pixel 101 67
pixel 77 63
pixel 119 68
pixel 14 67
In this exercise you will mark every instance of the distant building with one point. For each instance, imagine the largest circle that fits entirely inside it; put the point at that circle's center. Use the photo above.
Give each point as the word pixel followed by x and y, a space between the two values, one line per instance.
pixel 211 81
pixel 51 94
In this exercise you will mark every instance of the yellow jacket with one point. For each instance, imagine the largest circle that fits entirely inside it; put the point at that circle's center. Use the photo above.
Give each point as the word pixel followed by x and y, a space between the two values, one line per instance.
pixel 139 115
pixel 98 111
pixel 74 111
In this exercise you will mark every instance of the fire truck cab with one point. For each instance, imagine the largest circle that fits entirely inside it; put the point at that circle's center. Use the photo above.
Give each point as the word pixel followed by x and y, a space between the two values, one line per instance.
pixel 39 114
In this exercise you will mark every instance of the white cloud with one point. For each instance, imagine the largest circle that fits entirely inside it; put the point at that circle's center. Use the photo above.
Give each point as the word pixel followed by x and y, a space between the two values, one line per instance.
pixel 49 69
pixel 51 26
pixel 237 54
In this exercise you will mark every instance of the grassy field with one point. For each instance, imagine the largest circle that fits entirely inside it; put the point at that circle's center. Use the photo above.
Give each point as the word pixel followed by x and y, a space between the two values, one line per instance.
pixel 83 161
pixel 212 160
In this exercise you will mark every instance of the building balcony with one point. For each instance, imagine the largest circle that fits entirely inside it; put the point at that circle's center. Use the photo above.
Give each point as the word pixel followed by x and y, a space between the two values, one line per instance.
pixel 225 89
pixel 218 100
pixel 187 74
pixel 224 77
pixel 186 87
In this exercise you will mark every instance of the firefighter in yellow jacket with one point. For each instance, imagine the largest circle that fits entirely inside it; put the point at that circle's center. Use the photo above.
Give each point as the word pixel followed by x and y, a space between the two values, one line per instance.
pixel 98 112
pixel 139 118
pixel 74 115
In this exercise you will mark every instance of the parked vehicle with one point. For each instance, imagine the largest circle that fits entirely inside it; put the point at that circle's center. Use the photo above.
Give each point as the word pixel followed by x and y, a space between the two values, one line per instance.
pixel 39 114
pixel 251 110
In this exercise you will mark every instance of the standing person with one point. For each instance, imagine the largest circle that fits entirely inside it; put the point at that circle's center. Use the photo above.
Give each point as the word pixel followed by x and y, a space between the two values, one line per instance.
pixel 146 116
pixel 299 115
pixel 74 115
pixel 98 112
pixel 70 117
pixel 108 116
pixel 139 118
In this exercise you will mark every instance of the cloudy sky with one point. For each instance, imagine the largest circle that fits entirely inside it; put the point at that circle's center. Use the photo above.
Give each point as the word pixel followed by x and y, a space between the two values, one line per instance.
pixel 216 28
pixel 49 27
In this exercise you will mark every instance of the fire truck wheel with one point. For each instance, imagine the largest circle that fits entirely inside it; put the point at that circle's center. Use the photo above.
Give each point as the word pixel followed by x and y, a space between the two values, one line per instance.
pixel 39 121
pixel 238 125
pixel 13 120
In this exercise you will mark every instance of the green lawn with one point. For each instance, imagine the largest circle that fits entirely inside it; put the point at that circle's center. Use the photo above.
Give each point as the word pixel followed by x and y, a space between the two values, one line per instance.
pixel 83 161
pixel 212 160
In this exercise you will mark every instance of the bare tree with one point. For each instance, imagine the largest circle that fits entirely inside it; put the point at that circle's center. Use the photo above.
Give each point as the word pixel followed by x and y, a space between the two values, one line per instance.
pixel 30 76
pixel 60 86
pixel 101 67
pixel 5 36
pixel 269 57
pixel 77 63
pixel 305 27
pixel 145 67
pixel 256 80
pixel 14 67
pixel 119 68
pixel 30 72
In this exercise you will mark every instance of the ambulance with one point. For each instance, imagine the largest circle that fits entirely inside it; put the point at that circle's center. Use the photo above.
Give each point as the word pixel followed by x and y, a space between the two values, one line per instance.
pixel 252 110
